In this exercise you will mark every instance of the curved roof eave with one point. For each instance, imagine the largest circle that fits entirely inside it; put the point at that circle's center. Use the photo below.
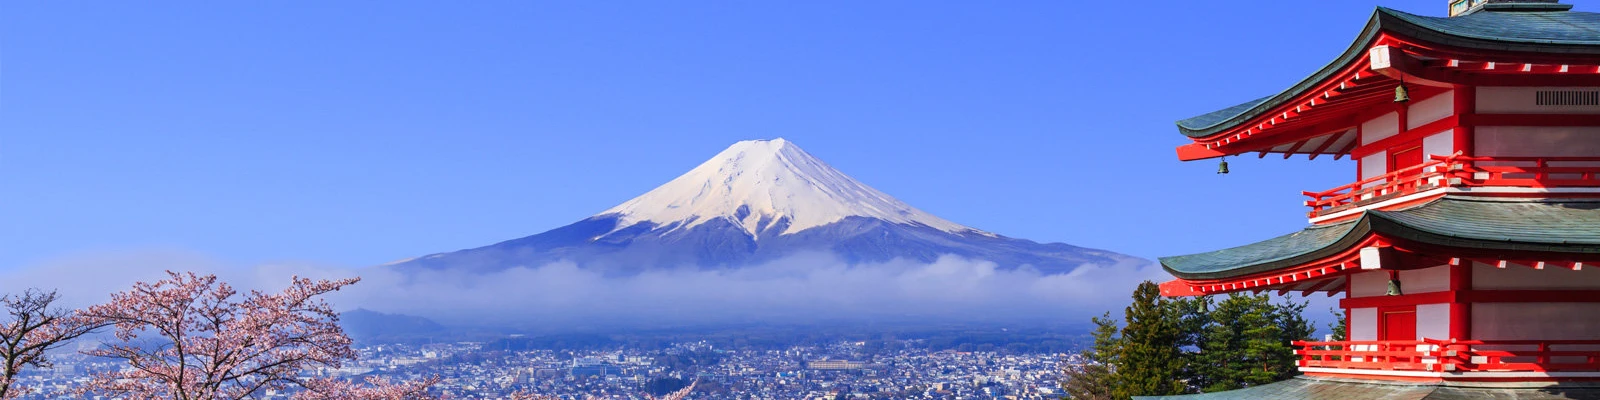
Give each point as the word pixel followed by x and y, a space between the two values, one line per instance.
pixel 1218 121
pixel 1548 226
pixel 1461 32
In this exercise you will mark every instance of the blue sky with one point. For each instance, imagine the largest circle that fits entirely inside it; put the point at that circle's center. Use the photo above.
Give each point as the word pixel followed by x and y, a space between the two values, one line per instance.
pixel 360 132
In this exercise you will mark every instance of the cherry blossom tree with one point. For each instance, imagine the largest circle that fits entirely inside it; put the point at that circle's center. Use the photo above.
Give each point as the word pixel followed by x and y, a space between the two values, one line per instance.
pixel 192 337
pixel 678 395
pixel 32 326
pixel 377 389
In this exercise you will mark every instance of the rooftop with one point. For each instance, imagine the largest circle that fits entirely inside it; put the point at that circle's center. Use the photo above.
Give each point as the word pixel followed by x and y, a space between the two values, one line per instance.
pixel 1320 389
pixel 1508 29
pixel 1550 225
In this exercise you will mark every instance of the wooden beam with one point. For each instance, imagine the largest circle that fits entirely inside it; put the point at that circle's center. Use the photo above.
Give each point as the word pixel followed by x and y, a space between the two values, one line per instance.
pixel 1335 138
pixel 1396 63
pixel 1196 151
pixel 1401 300
pixel 1318 287
pixel 1296 147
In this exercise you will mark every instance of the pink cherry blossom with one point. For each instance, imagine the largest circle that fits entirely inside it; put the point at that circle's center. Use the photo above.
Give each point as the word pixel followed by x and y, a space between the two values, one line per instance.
pixel 192 337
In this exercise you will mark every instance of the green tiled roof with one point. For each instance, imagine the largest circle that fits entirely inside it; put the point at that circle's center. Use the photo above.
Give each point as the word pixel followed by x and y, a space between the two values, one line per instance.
pixel 1262 256
pixel 1548 225
pixel 1562 32
pixel 1320 389
pixel 1548 27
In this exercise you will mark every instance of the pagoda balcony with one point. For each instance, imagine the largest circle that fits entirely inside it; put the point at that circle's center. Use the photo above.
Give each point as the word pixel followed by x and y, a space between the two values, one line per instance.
pixel 1535 175
pixel 1451 359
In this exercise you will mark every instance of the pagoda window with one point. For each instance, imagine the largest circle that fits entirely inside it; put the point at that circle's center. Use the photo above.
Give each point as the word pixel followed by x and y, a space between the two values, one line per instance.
pixel 1527 100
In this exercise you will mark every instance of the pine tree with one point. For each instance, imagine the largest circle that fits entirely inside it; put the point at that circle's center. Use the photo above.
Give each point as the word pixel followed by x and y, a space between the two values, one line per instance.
pixel 1292 327
pixel 1151 362
pixel 1193 315
pixel 1248 341
pixel 1095 380
pixel 1340 331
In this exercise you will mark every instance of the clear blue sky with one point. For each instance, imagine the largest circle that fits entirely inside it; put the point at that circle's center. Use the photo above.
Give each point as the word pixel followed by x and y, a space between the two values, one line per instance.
pixel 360 132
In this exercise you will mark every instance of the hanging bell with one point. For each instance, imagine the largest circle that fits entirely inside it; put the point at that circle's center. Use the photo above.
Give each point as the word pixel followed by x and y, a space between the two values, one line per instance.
pixel 1394 288
pixel 1222 168
pixel 1401 95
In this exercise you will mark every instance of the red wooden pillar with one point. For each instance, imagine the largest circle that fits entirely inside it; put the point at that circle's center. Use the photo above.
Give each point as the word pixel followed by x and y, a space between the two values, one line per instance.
pixel 1466 100
pixel 1460 309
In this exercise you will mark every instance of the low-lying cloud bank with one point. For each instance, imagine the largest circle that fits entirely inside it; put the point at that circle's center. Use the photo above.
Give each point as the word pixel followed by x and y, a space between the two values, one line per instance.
pixel 802 288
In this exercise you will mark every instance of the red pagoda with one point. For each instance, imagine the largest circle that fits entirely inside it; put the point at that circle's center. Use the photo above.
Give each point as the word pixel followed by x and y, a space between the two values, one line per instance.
pixel 1467 251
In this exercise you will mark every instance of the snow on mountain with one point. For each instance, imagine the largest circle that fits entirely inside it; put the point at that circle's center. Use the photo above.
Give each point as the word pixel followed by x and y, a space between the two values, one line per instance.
pixel 759 201
pixel 756 183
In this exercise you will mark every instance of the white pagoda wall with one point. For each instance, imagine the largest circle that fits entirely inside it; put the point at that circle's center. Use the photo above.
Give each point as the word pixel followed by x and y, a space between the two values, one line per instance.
pixel 1517 277
pixel 1363 324
pixel 1531 141
pixel 1536 321
pixel 1537 141
pixel 1419 113
pixel 1434 108
pixel 1529 321
pixel 1433 320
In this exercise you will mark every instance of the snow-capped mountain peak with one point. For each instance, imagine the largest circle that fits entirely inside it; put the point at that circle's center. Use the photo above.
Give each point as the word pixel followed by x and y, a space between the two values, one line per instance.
pixel 756 184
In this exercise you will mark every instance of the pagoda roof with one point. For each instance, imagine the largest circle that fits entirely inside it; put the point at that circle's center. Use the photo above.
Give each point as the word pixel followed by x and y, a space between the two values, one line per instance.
pixel 1542 29
pixel 1531 225
pixel 1342 389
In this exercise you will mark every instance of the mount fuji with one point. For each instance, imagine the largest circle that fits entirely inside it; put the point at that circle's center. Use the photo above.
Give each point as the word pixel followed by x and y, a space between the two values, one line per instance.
pixel 759 201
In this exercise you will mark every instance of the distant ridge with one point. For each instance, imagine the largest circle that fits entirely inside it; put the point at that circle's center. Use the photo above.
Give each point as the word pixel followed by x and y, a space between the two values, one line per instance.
pixel 365 325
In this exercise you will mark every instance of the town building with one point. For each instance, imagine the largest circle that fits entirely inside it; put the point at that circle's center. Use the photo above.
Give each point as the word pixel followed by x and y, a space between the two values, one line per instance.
pixel 1467 251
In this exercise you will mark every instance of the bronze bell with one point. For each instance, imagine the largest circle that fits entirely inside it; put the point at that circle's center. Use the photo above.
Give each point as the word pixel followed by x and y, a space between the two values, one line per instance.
pixel 1222 168
pixel 1394 288
pixel 1401 95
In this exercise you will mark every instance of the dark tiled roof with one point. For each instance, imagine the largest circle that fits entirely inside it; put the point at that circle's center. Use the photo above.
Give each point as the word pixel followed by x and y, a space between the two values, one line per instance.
pixel 1316 389
pixel 1561 32
pixel 1549 225
pixel 1558 27
pixel 1228 262
pixel 1547 222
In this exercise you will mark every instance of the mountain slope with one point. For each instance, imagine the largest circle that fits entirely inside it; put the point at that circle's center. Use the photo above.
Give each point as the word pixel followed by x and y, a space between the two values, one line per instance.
pixel 760 201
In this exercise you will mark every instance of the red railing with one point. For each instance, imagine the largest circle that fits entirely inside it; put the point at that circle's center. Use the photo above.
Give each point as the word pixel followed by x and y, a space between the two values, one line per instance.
pixel 1386 355
pixel 1459 171
pixel 1398 183
pixel 1526 355
pixel 1453 355
pixel 1540 172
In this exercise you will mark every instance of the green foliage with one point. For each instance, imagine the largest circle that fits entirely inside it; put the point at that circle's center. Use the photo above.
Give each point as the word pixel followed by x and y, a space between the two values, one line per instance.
pixel 1177 346
pixel 1094 380
pixel 1340 331
pixel 1151 360
pixel 1247 342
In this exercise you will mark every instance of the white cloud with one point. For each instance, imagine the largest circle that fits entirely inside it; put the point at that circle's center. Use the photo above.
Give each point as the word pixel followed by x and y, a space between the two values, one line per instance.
pixel 795 289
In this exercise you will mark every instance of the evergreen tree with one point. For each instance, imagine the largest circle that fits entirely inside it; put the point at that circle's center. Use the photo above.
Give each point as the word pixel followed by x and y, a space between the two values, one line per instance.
pixel 1193 314
pixel 1292 327
pixel 1151 361
pixel 1340 331
pixel 1248 341
pixel 1095 380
